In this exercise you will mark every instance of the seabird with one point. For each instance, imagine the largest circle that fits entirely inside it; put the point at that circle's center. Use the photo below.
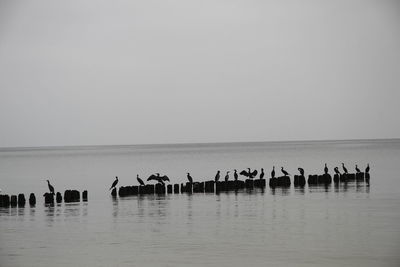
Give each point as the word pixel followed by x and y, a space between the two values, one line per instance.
pixel 112 186
pixel 139 180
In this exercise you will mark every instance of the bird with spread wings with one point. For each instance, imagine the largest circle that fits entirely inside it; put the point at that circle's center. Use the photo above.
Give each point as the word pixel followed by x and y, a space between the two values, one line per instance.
pixel 158 178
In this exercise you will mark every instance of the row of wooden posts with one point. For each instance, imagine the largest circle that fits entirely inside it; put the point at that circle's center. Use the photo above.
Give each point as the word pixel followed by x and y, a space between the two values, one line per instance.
pixel 220 186
pixel 49 198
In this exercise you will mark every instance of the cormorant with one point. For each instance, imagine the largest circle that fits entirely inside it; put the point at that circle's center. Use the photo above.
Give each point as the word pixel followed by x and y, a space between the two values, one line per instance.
pixel 217 177
pixel 235 175
pixel 139 180
pixel 367 169
pixel 336 169
pixel 344 168
pixel 189 178
pixel 301 170
pixel 357 169
pixel 284 172
pixel 273 172
pixel 51 188
pixel 249 174
pixel 158 178
pixel 227 176
pixel 326 169
pixel 114 183
pixel 262 173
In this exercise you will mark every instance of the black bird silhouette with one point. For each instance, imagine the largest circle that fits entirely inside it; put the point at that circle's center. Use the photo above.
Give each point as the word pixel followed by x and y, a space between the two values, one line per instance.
pixel 235 175
pixel 114 183
pixel 344 168
pixel 249 174
pixel 51 188
pixel 367 169
pixel 139 180
pixel 301 170
pixel 217 177
pixel 336 169
pixel 227 176
pixel 357 169
pixel 273 172
pixel 326 169
pixel 158 178
pixel 189 178
pixel 262 173
pixel 284 172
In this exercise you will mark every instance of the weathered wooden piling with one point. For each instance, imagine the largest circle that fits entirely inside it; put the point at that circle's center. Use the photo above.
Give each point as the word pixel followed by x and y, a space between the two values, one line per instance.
pixel 21 200
pixel 367 177
pixel 220 186
pixel 4 200
pixel 149 189
pixel 299 180
pixel 85 195
pixel 351 176
pixel 114 192
pixel 273 182
pixel 249 183
pixel 198 187
pixel 189 187
pixel 58 197
pixel 72 196
pixel 336 178
pixel 312 179
pixel 176 188
pixel 13 201
pixel 343 178
pixel 209 186
pixel 183 188
pixel 360 177
pixel 325 178
pixel 32 199
pixel 160 189
pixel 48 198
pixel 169 189
pixel 128 191
pixel 283 181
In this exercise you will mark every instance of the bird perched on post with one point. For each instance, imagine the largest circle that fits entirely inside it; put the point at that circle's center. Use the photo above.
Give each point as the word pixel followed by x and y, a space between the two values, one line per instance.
pixel 51 188
pixel 139 180
pixel 158 178
pixel 227 176
pixel 284 172
pixel 357 169
pixel 326 169
pixel 367 169
pixel 235 175
pixel 114 184
pixel 301 170
pixel 216 179
pixel 273 172
pixel 344 168
pixel 262 173
pixel 336 169
pixel 249 173
pixel 189 178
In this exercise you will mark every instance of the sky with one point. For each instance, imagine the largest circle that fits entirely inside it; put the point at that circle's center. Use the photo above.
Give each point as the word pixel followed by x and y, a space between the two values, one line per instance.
pixel 181 71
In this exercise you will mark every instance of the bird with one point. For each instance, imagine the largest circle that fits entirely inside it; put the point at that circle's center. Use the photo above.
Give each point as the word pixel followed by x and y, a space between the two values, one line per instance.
pixel 357 169
pixel 139 180
pixel 217 176
pixel 113 184
pixel 248 173
pixel 344 168
pixel 367 169
pixel 273 172
pixel 189 178
pixel 235 175
pixel 51 188
pixel 301 170
pixel 158 178
pixel 284 172
pixel 336 169
pixel 326 169
pixel 227 176
pixel 262 173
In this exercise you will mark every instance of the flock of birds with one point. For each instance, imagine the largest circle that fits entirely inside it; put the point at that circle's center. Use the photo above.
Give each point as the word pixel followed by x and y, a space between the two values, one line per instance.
pixel 247 173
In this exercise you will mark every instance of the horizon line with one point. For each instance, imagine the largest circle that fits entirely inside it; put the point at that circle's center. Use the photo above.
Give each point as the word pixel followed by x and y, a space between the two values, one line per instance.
pixel 187 143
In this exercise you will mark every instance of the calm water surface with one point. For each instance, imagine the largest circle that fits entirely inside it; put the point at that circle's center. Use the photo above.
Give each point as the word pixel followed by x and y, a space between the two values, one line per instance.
pixel 349 225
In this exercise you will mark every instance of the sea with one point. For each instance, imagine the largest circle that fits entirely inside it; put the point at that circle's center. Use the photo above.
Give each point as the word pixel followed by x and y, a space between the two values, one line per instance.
pixel 348 224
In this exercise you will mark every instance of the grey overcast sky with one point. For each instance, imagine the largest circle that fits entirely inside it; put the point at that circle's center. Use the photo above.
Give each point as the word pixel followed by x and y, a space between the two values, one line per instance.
pixel 175 71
